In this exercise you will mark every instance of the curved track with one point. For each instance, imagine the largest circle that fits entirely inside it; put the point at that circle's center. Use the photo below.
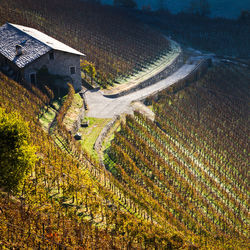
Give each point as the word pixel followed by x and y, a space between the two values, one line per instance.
pixel 104 107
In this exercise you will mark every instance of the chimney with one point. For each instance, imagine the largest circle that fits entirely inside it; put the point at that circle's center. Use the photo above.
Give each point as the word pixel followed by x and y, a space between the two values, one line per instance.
pixel 19 50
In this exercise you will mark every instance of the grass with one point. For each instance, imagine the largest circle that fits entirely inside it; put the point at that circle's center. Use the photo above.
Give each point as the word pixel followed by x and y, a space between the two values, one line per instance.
pixel 110 136
pixel 47 118
pixel 110 165
pixel 58 103
pixel 49 115
pixel 73 111
pixel 70 117
pixel 91 133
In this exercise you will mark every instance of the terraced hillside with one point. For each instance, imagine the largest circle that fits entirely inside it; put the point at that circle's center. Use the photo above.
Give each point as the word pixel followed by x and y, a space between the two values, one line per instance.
pixel 179 182
pixel 41 214
pixel 189 167
pixel 68 200
pixel 153 199
pixel 117 44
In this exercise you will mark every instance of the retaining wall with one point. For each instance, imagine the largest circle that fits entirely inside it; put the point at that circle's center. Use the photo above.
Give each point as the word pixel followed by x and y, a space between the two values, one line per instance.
pixel 193 76
pixel 169 70
pixel 104 133
pixel 77 122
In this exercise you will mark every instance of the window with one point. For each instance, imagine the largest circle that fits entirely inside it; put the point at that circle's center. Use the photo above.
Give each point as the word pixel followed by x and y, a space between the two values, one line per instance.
pixel 51 56
pixel 33 78
pixel 72 70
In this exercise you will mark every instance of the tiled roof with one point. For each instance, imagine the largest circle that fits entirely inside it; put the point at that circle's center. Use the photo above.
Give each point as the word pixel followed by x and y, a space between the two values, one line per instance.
pixel 34 44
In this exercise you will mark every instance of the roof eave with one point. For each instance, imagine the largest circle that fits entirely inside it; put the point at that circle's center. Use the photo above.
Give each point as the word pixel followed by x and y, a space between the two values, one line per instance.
pixel 76 53
pixel 71 52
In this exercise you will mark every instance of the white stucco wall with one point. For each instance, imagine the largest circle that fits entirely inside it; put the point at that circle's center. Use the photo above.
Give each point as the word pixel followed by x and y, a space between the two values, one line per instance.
pixel 60 66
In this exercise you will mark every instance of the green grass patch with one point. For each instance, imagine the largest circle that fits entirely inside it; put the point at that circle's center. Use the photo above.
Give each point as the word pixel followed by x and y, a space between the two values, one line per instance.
pixel 110 164
pixel 151 107
pixel 57 104
pixel 110 136
pixel 47 118
pixel 49 115
pixel 91 133
pixel 73 112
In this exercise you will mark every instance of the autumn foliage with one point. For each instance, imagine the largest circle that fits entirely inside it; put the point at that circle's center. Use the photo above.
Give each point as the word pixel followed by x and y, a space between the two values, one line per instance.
pixel 67 199
pixel 188 168
pixel 116 44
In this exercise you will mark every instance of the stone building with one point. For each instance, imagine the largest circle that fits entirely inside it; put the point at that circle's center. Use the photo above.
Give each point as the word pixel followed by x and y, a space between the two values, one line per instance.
pixel 24 51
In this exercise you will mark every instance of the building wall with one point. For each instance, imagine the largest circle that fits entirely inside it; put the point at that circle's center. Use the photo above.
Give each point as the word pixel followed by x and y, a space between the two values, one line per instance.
pixel 2 60
pixel 9 68
pixel 59 66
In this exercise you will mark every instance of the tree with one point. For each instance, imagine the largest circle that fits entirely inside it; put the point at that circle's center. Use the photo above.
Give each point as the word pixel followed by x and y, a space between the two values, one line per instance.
pixel 161 4
pixel 245 16
pixel 89 69
pixel 125 3
pixel 204 8
pixel 16 154
pixel 200 7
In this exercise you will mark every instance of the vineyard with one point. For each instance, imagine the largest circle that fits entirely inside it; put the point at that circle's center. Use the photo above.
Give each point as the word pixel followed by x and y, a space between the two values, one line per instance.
pixel 179 181
pixel 117 44
pixel 69 200
pixel 189 167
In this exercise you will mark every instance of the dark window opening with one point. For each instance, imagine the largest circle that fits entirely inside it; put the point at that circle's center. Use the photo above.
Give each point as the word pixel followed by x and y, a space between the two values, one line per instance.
pixel 72 70
pixel 33 78
pixel 51 56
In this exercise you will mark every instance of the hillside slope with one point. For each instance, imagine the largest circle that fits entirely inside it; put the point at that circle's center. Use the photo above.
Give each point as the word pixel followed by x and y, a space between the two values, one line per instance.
pixel 68 200
pixel 222 8
pixel 191 163
pixel 116 43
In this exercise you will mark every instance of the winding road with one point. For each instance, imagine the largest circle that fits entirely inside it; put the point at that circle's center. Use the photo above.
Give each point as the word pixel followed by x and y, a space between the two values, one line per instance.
pixel 105 107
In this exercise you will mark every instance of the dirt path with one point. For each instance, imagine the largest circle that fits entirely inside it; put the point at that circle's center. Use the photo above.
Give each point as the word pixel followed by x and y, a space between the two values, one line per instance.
pixel 104 107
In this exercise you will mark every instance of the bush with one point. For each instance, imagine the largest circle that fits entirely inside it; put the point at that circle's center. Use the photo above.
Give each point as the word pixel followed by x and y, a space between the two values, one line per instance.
pixel 16 154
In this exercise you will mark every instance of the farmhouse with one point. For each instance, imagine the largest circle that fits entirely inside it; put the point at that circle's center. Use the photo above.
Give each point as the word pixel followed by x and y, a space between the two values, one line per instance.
pixel 25 51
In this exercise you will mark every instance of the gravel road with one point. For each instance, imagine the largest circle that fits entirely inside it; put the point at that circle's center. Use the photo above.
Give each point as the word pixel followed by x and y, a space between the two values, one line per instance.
pixel 104 107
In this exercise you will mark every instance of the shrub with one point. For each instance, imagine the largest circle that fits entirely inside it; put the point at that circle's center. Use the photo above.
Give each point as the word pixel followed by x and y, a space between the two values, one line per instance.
pixel 16 154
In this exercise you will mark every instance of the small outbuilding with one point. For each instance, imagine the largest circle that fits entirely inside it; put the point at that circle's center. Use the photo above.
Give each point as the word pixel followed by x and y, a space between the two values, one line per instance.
pixel 25 51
